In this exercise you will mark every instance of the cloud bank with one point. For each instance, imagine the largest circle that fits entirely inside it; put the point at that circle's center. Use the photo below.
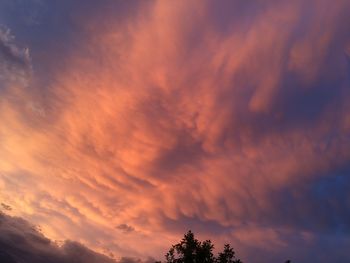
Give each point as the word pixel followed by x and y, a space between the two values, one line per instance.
pixel 227 117
pixel 22 242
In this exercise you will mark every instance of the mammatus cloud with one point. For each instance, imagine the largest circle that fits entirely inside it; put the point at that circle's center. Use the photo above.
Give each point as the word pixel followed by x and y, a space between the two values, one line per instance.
pixel 227 117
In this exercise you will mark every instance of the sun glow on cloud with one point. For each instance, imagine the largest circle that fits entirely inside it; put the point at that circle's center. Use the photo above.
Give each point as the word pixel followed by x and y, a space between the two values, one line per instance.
pixel 230 118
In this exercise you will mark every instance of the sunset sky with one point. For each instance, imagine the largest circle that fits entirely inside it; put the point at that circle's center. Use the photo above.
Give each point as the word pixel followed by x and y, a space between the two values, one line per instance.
pixel 123 124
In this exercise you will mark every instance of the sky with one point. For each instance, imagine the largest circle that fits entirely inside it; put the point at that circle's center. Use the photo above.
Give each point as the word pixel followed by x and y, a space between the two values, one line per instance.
pixel 123 124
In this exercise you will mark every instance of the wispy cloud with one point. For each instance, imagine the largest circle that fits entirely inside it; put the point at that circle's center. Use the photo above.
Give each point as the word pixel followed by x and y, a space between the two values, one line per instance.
pixel 15 61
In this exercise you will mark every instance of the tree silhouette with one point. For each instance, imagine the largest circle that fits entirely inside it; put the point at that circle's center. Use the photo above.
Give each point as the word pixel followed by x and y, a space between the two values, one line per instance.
pixel 227 256
pixel 190 250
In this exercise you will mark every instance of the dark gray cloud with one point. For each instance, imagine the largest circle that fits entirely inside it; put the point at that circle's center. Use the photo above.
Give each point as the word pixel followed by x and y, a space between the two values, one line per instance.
pixel 125 228
pixel 20 242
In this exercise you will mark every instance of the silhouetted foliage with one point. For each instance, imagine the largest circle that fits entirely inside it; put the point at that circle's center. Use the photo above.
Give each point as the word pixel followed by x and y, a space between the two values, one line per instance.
pixel 190 250
pixel 227 256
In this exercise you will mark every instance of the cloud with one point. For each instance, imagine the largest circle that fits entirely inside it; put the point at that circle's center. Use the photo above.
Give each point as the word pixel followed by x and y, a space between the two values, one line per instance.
pixel 15 61
pixel 228 117
pixel 125 228
pixel 21 242
pixel 133 260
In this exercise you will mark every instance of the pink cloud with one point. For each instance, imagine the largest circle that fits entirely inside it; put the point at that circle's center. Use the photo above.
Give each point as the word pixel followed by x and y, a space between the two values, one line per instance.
pixel 164 118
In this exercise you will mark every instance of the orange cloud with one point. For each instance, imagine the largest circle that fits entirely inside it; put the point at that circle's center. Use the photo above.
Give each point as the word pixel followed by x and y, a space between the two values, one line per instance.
pixel 165 118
